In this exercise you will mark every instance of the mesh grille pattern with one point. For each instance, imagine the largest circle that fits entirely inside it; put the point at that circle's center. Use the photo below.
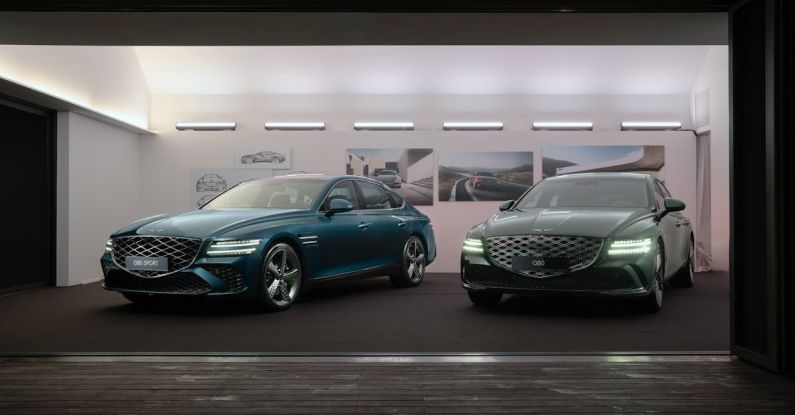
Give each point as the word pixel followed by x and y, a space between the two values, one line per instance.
pixel 181 252
pixel 229 274
pixel 183 283
pixel 579 251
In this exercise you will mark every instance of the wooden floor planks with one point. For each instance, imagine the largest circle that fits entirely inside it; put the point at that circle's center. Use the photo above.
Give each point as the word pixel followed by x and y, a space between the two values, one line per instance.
pixel 39 386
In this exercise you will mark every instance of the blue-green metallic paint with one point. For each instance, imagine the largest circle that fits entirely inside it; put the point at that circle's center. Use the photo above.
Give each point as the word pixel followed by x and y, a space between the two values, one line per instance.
pixel 343 249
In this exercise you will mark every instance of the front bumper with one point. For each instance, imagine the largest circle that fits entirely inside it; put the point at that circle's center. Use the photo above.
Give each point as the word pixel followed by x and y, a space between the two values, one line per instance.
pixel 234 276
pixel 628 276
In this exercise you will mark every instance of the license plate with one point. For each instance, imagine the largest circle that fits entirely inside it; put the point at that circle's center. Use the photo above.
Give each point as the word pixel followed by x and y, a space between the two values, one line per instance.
pixel 525 263
pixel 146 263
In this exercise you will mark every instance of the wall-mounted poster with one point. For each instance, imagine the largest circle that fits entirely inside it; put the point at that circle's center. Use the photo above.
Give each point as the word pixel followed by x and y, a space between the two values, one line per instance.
pixel 480 176
pixel 262 158
pixel 206 183
pixel 408 171
pixel 581 159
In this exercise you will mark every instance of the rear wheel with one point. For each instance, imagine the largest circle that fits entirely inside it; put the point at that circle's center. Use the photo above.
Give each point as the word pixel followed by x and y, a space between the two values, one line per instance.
pixel 685 277
pixel 281 279
pixel 652 302
pixel 413 265
pixel 484 298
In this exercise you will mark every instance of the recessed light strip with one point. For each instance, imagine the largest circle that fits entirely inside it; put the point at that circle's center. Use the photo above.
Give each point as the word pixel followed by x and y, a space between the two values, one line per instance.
pixel 279 125
pixel 562 125
pixel 472 126
pixel 650 125
pixel 405 125
pixel 206 126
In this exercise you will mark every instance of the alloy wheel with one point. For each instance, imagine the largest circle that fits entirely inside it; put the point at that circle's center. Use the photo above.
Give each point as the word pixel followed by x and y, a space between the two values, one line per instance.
pixel 415 259
pixel 282 273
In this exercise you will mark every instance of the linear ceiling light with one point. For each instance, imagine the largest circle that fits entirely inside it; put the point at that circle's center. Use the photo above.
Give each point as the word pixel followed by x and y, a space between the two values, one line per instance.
pixel 206 126
pixel 563 125
pixel 650 125
pixel 273 125
pixel 383 125
pixel 472 126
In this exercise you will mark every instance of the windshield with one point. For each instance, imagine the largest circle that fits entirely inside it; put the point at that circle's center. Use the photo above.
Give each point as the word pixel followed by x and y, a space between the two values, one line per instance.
pixel 269 193
pixel 587 192
pixel 387 173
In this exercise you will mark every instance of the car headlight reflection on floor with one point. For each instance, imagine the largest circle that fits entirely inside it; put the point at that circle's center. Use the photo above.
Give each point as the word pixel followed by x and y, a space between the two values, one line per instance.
pixel 233 248
pixel 630 247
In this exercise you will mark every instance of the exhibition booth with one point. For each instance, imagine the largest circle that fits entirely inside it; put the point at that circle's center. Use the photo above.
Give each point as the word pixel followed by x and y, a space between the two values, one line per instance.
pixel 454 130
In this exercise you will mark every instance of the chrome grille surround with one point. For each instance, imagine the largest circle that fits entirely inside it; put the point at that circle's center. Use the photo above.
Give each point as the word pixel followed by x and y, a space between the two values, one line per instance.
pixel 580 251
pixel 181 252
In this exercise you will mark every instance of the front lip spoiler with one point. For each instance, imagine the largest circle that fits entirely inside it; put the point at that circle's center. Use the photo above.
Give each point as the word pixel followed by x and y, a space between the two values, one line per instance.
pixel 633 292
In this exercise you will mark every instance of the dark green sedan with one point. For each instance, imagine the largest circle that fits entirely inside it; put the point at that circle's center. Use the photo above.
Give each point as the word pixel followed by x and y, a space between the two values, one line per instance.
pixel 594 234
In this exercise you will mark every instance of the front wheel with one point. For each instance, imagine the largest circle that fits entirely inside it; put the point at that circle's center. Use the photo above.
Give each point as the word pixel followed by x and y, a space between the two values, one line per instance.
pixel 412 266
pixel 652 302
pixel 280 281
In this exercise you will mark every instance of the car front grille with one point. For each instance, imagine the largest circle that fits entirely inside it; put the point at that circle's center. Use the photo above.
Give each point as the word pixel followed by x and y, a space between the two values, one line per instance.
pixel 181 283
pixel 229 274
pixel 181 252
pixel 579 251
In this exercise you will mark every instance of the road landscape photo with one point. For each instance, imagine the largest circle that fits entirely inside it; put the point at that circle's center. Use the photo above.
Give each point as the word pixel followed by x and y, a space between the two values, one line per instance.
pixel 483 176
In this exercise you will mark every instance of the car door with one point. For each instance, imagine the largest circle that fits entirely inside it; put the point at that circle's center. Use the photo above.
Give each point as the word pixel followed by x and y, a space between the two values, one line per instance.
pixel 669 232
pixel 386 229
pixel 683 229
pixel 339 243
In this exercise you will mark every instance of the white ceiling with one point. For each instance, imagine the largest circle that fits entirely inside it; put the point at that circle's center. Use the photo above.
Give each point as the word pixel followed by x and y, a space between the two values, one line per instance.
pixel 421 69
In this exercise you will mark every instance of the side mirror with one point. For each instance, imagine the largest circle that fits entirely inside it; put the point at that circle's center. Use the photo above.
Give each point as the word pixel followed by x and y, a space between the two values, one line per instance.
pixel 506 205
pixel 339 206
pixel 673 205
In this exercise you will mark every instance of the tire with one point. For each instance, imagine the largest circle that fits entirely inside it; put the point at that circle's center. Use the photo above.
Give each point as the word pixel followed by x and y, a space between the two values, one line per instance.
pixel 685 277
pixel 484 298
pixel 652 302
pixel 412 264
pixel 141 298
pixel 280 279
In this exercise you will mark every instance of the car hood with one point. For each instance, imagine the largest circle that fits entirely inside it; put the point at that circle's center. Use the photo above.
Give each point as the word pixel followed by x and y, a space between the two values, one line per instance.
pixel 593 222
pixel 205 223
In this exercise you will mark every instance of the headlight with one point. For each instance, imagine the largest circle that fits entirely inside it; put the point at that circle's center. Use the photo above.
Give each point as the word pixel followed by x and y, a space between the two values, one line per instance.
pixel 630 247
pixel 109 245
pixel 233 248
pixel 473 245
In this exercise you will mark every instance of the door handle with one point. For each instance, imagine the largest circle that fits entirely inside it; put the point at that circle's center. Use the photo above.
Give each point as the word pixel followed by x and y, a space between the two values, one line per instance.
pixel 401 224
pixel 365 225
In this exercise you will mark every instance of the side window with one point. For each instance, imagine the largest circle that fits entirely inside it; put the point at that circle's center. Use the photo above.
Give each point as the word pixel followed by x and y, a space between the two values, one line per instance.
pixel 658 195
pixel 342 190
pixel 395 201
pixel 373 196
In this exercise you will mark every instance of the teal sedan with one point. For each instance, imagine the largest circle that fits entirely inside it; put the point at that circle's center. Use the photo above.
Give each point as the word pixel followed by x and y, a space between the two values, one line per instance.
pixel 590 234
pixel 266 239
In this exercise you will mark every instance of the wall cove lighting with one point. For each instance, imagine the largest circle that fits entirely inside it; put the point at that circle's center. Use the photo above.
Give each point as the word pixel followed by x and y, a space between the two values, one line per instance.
pixel 562 125
pixel 472 126
pixel 206 126
pixel 650 125
pixel 277 125
pixel 407 125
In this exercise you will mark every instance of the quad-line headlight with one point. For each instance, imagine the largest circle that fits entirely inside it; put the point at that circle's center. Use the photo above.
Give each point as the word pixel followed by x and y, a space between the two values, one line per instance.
pixel 233 248
pixel 630 247
pixel 474 246
pixel 109 245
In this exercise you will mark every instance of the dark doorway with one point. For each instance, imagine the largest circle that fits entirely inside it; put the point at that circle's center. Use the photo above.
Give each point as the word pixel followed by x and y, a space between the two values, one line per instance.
pixel 26 174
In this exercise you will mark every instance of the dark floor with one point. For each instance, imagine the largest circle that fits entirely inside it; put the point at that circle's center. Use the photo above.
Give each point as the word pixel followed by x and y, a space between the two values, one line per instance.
pixel 39 386
pixel 366 316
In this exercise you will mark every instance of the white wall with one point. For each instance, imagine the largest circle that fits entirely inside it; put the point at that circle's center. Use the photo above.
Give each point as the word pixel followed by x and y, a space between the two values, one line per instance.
pixel 714 76
pixel 98 168
pixel 168 156
pixel 106 79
